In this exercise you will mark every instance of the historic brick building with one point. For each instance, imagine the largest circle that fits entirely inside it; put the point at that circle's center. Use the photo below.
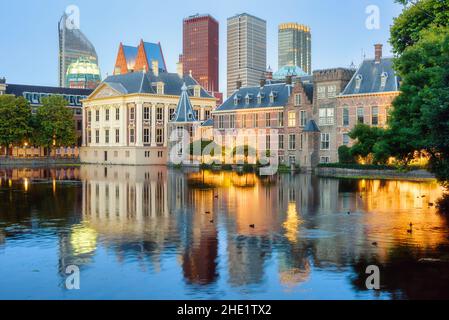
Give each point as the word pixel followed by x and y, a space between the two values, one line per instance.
pixel 368 96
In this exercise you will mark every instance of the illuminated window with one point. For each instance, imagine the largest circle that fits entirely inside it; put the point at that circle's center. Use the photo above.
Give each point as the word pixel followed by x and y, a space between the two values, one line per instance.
pixel 291 118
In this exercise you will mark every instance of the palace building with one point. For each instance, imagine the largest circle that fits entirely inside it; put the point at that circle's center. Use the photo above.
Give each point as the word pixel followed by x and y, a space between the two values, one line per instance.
pixel 126 117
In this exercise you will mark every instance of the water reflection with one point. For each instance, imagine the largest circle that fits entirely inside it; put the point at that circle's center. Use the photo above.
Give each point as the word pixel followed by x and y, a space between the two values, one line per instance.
pixel 221 234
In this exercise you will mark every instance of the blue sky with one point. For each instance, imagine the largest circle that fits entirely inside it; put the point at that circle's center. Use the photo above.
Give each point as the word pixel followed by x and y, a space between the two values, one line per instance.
pixel 29 39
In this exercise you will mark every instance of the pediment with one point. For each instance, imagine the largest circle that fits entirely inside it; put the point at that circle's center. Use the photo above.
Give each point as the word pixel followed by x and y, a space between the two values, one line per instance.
pixel 104 91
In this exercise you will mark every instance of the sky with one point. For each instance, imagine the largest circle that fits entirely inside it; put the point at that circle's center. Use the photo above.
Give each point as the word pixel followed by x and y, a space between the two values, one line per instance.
pixel 29 33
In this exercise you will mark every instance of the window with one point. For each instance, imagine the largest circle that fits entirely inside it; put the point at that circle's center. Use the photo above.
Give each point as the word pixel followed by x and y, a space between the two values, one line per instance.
pixel 267 120
pixel 291 118
pixel 325 141
pixel 97 136
pixel 259 98
pixel 272 97
pixel 281 142
pixel 247 99
pixel 206 114
pixel 97 115
pixel 358 81
pixel 197 114
pixel 79 125
pixel 160 88
pixel 321 92
pixel 326 116
pixel 89 116
pixel 159 136
pixel 146 135
pixel 171 112
pixel 232 121
pixel 146 113
pixel 332 91
pixel 345 117
pixel 221 122
pixel 281 119
pixel 360 115
pixel 117 135
pixel 106 136
pixel 291 142
pixel 131 135
pixel 374 116
pixel 324 160
pixel 256 120
pixel 117 114
pixel 197 91
pixel 244 121
pixel 159 114
pixel 236 100
pixel 303 118
pixel 89 136
pixel 131 113
pixel 297 99
pixel 345 139
pixel 107 115
pixel 383 80
pixel 267 142
pixel 301 141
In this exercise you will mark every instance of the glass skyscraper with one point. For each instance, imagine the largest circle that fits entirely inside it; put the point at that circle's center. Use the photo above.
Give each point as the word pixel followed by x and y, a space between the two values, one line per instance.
pixel 73 44
pixel 295 46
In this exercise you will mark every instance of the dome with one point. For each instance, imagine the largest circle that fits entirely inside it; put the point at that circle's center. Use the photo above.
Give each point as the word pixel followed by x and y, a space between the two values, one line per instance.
pixel 83 73
pixel 285 71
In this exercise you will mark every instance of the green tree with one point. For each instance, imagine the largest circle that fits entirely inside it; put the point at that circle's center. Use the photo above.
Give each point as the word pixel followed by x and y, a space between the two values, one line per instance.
pixel 419 120
pixel 369 143
pixel 344 155
pixel 54 126
pixel 418 15
pixel 15 120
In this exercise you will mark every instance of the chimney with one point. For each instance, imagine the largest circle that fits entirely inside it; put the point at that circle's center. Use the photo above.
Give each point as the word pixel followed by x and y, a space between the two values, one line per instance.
pixel 262 81
pixel 155 67
pixel 378 52
pixel 180 69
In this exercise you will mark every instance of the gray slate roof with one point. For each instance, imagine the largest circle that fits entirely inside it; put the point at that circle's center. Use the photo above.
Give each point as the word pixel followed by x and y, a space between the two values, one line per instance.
pixel 282 92
pixel 208 123
pixel 139 82
pixel 184 111
pixel 371 75
pixel 311 126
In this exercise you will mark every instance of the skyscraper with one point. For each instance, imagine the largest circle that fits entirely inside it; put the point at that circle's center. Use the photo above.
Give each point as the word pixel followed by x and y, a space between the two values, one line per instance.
pixel 247 50
pixel 200 50
pixel 295 46
pixel 73 44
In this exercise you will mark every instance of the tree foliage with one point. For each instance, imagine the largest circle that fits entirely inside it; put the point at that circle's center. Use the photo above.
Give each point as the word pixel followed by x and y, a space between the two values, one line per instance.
pixel 15 120
pixel 370 143
pixel 54 123
pixel 417 16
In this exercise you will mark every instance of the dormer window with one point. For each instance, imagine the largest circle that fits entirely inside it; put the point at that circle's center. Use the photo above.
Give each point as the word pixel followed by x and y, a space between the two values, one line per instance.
pixel 358 81
pixel 190 116
pixel 160 88
pixel 236 100
pixel 272 96
pixel 259 98
pixel 383 79
pixel 197 91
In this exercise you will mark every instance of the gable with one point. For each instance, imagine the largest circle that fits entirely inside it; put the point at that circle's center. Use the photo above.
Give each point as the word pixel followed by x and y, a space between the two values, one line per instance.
pixel 105 90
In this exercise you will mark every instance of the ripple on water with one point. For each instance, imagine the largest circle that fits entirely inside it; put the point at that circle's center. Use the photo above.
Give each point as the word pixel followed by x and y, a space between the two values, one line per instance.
pixel 316 234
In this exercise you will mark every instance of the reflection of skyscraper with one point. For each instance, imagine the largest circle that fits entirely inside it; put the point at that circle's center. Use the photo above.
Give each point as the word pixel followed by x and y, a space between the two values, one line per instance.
pixel 73 44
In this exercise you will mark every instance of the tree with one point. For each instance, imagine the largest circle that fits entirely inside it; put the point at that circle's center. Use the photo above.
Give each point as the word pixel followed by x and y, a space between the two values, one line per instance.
pixel 15 119
pixel 344 155
pixel 419 120
pixel 54 124
pixel 370 143
pixel 417 16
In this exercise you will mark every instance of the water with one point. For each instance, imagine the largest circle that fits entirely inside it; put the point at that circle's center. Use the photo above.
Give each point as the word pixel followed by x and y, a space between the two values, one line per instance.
pixel 155 233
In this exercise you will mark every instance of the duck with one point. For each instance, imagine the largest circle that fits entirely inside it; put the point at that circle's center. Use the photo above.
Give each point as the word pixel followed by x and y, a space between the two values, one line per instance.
pixel 207 212
pixel 211 221
pixel 252 226
pixel 374 243
pixel 411 228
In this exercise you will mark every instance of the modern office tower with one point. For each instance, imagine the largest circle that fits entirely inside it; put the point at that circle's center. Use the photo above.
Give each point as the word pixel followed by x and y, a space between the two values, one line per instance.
pixel 73 44
pixel 295 46
pixel 247 51
pixel 200 50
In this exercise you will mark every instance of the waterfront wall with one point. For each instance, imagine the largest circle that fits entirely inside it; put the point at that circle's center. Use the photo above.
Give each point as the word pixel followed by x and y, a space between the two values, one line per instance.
pixel 37 162
pixel 372 173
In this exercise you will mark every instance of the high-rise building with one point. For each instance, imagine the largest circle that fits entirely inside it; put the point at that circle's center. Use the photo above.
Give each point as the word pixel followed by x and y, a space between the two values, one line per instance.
pixel 73 44
pixel 247 51
pixel 83 74
pixel 200 50
pixel 295 46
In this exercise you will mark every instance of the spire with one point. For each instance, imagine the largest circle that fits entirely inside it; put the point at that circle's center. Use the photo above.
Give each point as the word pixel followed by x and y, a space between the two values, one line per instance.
pixel 184 110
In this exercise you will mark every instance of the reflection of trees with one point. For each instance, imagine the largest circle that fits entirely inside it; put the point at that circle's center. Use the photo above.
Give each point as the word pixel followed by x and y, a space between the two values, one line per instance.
pixel 405 275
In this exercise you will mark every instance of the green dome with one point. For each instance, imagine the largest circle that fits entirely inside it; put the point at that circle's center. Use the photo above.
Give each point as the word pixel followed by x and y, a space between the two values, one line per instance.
pixel 285 71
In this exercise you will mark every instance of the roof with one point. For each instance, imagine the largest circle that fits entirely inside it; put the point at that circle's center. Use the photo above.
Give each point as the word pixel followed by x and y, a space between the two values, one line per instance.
pixel 311 126
pixel 184 111
pixel 130 56
pixel 281 92
pixel 153 51
pixel 139 82
pixel 208 123
pixel 369 75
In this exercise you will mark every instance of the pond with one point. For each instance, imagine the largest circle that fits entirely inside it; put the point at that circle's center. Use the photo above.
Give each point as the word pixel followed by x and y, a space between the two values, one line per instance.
pixel 158 233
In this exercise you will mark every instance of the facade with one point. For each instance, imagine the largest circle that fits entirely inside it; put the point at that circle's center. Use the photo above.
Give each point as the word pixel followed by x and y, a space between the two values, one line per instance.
pixel 126 118
pixel 2 86
pixel 34 94
pixel 73 44
pixel 295 46
pixel 83 74
pixel 200 50
pixel 246 51
pixel 367 97
pixel 146 56
pixel 329 84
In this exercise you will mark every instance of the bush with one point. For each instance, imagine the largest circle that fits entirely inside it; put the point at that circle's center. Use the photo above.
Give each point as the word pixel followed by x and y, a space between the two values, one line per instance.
pixel 345 156
pixel 357 166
